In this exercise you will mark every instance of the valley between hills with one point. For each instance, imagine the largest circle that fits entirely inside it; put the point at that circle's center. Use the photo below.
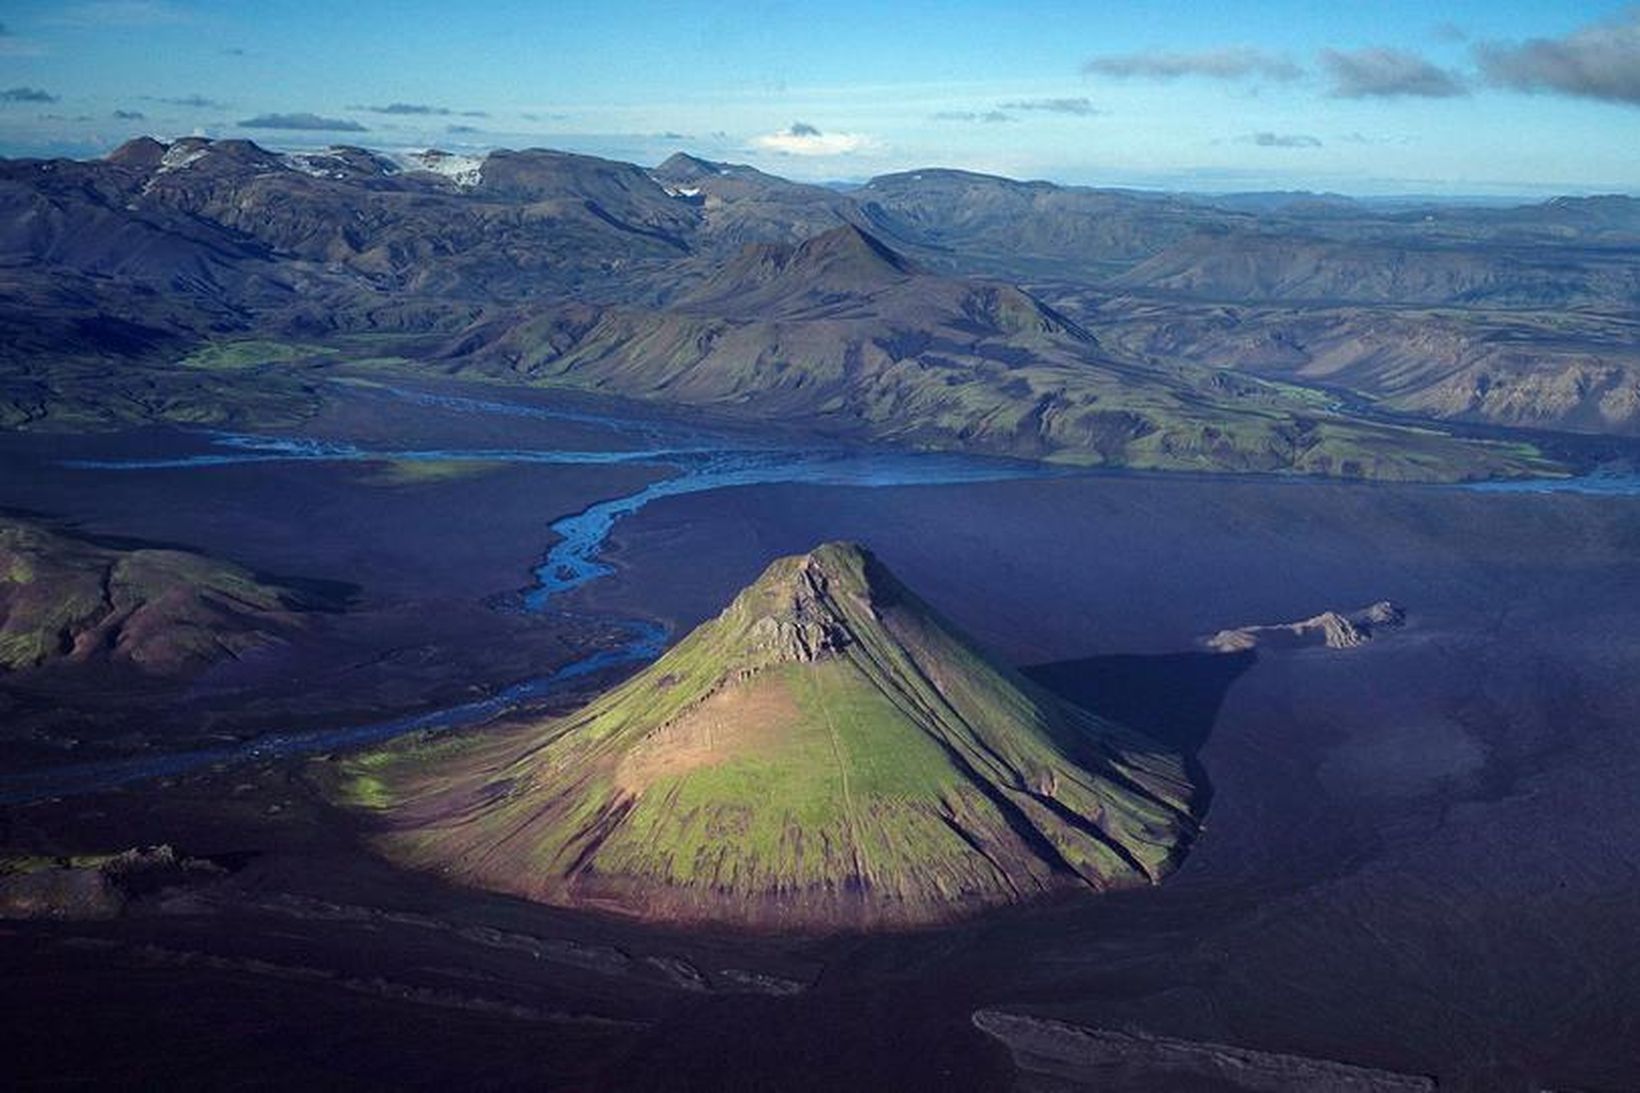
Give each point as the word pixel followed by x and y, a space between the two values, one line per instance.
pixel 540 620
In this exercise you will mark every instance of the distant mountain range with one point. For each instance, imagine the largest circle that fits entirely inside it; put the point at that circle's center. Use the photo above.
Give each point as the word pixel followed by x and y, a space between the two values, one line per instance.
pixel 934 307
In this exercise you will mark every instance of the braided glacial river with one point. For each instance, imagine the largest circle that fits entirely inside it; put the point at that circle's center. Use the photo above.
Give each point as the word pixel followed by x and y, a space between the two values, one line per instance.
pixel 696 461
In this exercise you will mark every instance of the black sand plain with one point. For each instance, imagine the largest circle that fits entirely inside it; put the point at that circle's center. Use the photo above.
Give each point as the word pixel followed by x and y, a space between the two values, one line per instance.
pixel 1419 855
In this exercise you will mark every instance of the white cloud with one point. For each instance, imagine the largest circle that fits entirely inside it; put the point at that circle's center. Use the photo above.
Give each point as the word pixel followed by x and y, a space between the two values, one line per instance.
pixel 802 139
pixel 1224 63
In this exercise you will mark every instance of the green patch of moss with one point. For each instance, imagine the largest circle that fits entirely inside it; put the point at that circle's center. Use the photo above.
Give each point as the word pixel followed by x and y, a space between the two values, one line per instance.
pixel 18 863
pixel 422 472
pixel 249 353
pixel 366 791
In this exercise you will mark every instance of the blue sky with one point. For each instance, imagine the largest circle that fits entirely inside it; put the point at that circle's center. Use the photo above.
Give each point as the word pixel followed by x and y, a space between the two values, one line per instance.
pixel 1463 98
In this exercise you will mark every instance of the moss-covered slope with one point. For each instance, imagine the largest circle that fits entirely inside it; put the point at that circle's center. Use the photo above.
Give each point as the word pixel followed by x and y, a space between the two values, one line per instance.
pixel 826 753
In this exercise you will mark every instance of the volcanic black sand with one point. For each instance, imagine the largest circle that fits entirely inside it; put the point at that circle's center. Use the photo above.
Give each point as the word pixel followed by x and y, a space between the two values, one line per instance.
pixel 1419 854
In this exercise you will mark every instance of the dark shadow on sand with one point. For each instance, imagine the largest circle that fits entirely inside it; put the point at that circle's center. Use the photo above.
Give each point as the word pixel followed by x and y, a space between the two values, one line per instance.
pixel 1173 698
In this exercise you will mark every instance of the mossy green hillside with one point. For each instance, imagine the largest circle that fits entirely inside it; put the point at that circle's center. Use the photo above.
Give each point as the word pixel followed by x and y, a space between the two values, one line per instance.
pixel 840 332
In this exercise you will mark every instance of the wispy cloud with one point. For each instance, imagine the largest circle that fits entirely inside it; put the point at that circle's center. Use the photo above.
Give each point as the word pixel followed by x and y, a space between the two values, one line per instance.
pixel 1363 138
pixel 130 115
pixel 1281 140
pixel 1380 73
pixel 26 94
pixel 192 102
pixel 461 130
pixel 303 120
pixel 1082 108
pixel 1600 61
pixel 986 117
pixel 419 109
pixel 803 139
pixel 1226 63
pixel 407 108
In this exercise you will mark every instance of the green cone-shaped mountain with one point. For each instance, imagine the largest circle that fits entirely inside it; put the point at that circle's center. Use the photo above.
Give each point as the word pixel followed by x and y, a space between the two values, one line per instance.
pixel 826 753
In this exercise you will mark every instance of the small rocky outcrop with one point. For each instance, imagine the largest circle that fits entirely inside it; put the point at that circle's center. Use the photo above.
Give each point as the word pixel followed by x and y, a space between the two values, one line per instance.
pixel 794 623
pixel 1330 629
pixel 93 886
pixel 1050 1054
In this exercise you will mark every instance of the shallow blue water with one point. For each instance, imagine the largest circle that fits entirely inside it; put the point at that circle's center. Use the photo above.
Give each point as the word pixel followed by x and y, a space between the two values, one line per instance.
pixel 239 448
pixel 573 562
pixel 1603 483
pixel 656 431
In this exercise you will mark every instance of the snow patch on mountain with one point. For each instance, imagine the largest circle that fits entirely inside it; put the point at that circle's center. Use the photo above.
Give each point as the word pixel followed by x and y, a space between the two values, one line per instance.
pixel 317 164
pixel 464 171
pixel 181 155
